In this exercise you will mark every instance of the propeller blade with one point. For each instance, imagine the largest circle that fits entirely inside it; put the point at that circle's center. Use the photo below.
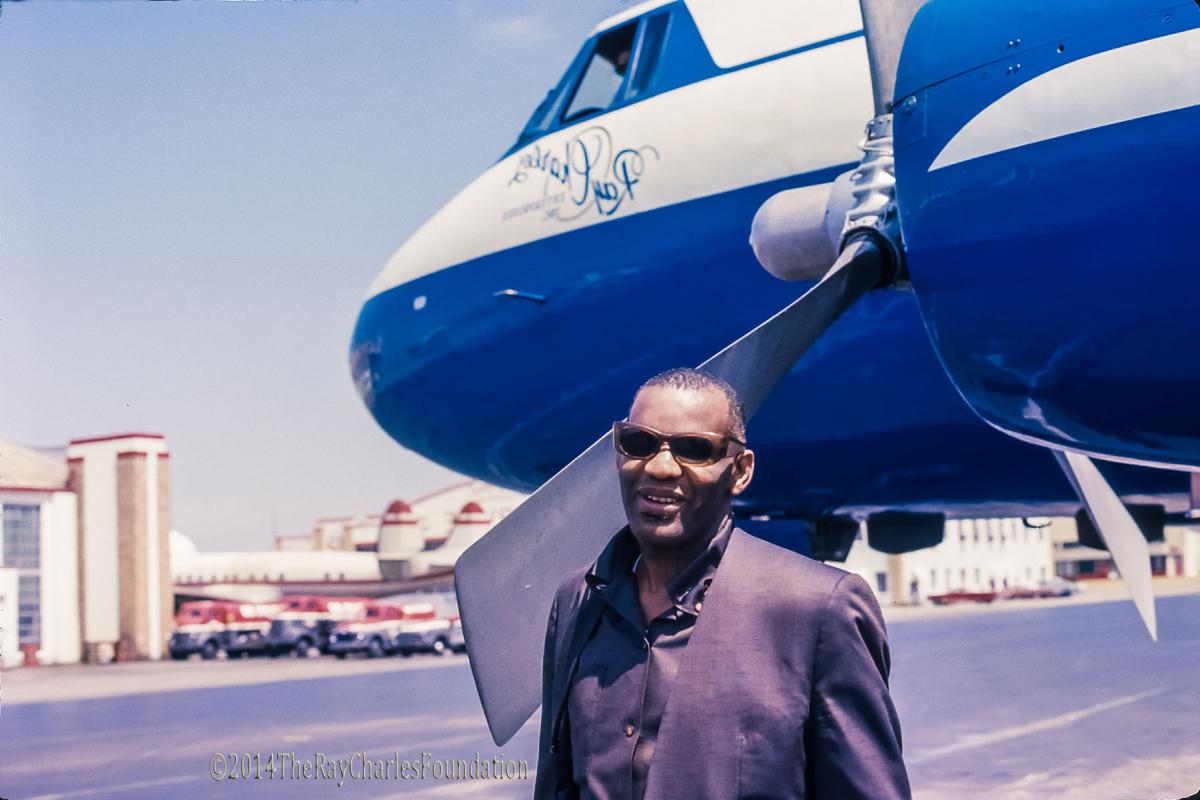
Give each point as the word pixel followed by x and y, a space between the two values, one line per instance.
pixel 1125 541
pixel 506 581
pixel 755 363
pixel 885 24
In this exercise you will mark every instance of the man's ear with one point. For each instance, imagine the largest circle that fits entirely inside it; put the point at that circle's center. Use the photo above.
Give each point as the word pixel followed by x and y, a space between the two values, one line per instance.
pixel 743 471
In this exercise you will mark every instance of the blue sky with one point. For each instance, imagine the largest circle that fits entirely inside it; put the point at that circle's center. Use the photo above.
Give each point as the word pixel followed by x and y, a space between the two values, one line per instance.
pixel 194 198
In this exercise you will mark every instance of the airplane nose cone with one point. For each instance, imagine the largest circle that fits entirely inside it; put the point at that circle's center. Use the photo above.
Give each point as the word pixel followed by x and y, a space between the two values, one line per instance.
pixel 392 340
pixel 378 332
pixel 468 379
pixel 415 361
pixel 402 326
pixel 364 351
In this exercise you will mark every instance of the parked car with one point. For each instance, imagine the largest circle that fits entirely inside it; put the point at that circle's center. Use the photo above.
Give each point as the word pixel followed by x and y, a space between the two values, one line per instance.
pixel 425 632
pixel 305 623
pixel 373 634
pixel 961 596
pixel 1058 587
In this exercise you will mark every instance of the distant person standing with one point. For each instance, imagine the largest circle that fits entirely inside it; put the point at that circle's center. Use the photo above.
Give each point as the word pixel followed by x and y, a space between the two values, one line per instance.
pixel 692 660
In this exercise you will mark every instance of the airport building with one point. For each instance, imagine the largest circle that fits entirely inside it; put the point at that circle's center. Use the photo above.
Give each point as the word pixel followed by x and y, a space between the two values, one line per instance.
pixel 126 601
pixel 1176 554
pixel 85 554
pixel 428 519
pixel 39 600
pixel 354 533
pixel 411 546
pixel 991 555
pixel 266 575
pixel 1187 541
pixel 975 555
pixel 431 532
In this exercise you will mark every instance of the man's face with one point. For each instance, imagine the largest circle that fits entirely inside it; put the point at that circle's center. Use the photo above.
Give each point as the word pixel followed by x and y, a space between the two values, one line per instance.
pixel 671 505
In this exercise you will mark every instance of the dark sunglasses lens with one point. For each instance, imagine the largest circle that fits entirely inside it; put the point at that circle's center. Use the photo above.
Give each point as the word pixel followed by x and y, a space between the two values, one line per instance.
pixel 637 443
pixel 694 449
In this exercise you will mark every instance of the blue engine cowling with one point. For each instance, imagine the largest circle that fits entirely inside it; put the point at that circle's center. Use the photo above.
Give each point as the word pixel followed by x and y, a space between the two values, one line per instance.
pixel 1044 164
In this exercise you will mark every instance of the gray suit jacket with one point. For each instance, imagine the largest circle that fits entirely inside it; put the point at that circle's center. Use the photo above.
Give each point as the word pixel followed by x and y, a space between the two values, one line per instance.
pixel 782 692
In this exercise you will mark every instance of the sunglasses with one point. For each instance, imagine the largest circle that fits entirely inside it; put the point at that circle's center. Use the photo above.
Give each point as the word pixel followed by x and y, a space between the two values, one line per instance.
pixel 694 449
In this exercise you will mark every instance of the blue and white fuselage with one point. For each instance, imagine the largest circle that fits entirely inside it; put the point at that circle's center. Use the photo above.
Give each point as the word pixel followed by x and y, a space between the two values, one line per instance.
pixel 611 243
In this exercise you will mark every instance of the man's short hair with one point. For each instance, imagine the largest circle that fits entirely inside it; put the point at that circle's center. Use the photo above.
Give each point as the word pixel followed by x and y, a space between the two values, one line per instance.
pixel 696 380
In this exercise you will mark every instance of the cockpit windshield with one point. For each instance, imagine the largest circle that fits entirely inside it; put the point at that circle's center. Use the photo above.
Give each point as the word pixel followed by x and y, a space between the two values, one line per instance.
pixel 604 75
pixel 615 67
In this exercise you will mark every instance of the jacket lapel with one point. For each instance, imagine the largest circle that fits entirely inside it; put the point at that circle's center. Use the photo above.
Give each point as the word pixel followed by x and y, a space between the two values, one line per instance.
pixel 693 693
pixel 583 624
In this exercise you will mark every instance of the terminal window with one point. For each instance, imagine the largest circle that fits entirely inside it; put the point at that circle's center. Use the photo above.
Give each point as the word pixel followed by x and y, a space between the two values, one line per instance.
pixel 29 610
pixel 21 536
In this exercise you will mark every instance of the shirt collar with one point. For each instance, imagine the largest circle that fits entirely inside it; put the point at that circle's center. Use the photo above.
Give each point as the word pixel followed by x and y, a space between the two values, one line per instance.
pixel 687 588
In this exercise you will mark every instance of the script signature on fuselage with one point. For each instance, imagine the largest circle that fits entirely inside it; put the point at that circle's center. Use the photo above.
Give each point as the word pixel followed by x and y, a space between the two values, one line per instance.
pixel 587 173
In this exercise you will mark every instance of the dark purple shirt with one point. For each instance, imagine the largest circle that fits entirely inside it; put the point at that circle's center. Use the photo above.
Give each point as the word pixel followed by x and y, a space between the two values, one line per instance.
pixel 628 667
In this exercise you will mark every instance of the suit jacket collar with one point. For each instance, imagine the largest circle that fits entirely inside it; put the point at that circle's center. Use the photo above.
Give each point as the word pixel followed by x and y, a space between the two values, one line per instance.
pixel 619 558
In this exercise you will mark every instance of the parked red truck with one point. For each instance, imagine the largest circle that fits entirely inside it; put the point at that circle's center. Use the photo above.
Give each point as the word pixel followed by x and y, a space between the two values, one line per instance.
pixel 394 628
pixel 209 627
pixel 305 623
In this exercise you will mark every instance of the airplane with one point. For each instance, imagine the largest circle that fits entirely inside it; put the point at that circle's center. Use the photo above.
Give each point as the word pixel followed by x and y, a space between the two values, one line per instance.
pixel 1011 204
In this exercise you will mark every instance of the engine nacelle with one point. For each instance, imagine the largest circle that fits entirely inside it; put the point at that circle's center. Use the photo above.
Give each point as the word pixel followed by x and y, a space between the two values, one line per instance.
pixel 796 234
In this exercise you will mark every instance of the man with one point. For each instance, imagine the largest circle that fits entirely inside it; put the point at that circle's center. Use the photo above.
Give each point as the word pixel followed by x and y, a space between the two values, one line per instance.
pixel 692 660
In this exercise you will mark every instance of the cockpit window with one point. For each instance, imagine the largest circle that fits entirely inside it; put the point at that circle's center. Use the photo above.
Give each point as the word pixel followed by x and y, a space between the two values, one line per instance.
pixel 645 68
pixel 623 65
pixel 604 75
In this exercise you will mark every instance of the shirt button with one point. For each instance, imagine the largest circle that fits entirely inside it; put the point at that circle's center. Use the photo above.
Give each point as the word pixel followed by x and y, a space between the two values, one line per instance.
pixel 628 730
pixel 699 605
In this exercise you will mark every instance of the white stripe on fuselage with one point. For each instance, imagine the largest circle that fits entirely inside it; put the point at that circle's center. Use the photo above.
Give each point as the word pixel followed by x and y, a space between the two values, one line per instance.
pixel 745 31
pixel 793 115
pixel 1138 80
